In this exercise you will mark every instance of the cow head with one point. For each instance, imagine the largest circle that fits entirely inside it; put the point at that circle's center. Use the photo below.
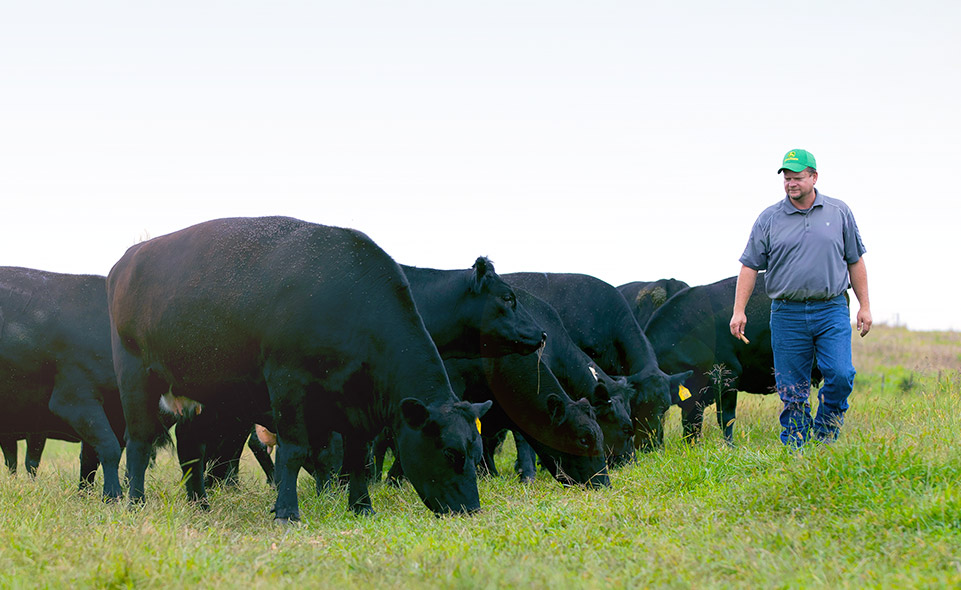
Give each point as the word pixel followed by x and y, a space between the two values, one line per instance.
pixel 571 470
pixel 440 448
pixel 613 409
pixel 504 326
pixel 653 393
pixel 578 422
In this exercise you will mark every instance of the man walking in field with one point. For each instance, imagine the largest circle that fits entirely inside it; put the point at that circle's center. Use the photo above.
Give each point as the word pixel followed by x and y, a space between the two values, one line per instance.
pixel 810 246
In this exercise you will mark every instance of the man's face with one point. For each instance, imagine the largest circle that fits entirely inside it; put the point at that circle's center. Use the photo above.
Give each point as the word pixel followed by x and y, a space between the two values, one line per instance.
pixel 799 185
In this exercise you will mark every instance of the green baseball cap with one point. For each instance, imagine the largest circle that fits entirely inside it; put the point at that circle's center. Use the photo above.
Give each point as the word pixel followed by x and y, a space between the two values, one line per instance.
pixel 797 161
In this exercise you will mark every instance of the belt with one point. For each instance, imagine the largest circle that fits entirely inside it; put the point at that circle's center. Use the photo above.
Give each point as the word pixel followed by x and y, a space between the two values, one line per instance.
pixel 810 300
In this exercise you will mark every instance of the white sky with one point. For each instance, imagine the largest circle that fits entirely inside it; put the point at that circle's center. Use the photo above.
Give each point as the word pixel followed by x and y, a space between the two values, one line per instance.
pixel 627 140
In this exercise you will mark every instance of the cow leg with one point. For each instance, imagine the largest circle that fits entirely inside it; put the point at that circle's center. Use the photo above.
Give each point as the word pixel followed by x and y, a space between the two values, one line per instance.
pixel 489 444
pixel 319 471
pixel 35 445
pixel 525 465
pixel 191 452
pixel 287 387
pixel 691 421
pixel 355 464
pixel 648 427
pixel 88 465
pixel 727 413
pixel 290 459
pixel 223 463
pixel 383 442
pixel 9 447
pixel 262 456
pixel 140 395
pixel 322 462
pixel 231 474
pixel 84 412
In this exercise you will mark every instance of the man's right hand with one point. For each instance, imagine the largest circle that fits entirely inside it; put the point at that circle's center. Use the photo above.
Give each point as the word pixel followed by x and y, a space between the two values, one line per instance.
pixel 738 323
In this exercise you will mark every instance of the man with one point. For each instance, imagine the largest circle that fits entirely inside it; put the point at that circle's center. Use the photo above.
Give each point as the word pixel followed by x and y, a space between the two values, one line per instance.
pixel 810 246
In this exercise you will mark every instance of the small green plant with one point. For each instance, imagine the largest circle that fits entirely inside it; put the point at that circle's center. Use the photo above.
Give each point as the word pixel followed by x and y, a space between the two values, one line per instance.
pixel 908 383
pixel 721 380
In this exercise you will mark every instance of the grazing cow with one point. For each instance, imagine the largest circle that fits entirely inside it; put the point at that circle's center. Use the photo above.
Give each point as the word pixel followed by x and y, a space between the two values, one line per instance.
pixel 581 377
pixel 56 376
pixel 691 332
pixel 565 372
pixel 468 313
pixel 529 399
pixel 646 296
pixel 472 313
pixel 320 322
pixel 600 322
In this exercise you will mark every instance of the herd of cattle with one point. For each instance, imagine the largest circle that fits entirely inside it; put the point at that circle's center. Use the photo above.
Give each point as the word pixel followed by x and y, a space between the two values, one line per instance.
pixel 317 334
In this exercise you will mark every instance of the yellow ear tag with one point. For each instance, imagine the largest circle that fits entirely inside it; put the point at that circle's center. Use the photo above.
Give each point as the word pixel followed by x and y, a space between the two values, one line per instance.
pixel 683 392
pixel 477 422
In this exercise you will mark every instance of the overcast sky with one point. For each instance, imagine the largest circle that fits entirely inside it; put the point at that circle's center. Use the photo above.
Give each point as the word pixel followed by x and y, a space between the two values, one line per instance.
pixel 627 140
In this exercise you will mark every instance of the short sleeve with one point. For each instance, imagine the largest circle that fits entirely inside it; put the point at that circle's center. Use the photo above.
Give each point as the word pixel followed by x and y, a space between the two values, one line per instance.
pixel 756 252
pixel 853 246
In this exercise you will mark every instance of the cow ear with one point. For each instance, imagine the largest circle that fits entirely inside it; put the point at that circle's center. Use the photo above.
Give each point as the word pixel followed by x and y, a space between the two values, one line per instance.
pixel 414 412
pixel 481 408
pixel 482 267
pixel 556 408
pixel 601 393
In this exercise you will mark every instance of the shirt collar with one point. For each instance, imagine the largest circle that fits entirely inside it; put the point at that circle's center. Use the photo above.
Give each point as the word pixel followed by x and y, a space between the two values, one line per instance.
pixel 788 208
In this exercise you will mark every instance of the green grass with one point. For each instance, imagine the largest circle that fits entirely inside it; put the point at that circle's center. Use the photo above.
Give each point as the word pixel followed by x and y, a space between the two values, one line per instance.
pixel 880 508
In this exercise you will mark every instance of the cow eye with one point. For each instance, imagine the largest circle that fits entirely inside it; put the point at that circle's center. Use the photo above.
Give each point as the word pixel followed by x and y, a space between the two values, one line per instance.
pixel 454 457
pixel 585 442
pixel 509 298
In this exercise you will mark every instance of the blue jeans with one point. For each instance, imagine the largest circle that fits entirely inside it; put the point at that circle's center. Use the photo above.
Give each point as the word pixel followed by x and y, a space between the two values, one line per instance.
pixel 800 332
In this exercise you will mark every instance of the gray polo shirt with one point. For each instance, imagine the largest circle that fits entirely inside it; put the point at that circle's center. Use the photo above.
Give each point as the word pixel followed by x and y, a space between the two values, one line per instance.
pixel 805 253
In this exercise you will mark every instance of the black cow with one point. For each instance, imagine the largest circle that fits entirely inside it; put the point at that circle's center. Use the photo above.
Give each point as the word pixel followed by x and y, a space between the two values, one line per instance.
pixel 646 296
pixel 560 371
pixel 601 323
pixel 472 313
pixel 317 320
pixel 529 399
pixel 56 375
pixel 468 313
pixel 581 377
pixel 692 332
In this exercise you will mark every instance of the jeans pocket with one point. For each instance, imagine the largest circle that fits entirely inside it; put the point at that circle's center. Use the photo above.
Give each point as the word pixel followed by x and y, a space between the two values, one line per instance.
pixel 776 305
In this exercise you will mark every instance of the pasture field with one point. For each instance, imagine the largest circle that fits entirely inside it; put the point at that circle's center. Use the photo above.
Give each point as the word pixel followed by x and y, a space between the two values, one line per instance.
pixel 880 508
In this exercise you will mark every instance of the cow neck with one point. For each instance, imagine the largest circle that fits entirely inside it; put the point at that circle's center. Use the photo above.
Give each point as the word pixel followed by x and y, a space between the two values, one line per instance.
pixel 435 294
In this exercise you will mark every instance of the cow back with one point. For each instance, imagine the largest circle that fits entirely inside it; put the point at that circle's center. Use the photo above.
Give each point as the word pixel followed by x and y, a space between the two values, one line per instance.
pixel 208 304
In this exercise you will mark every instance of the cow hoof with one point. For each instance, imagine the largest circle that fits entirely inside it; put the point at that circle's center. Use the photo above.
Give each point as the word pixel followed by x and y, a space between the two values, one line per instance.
pixel 363 510
pixel 200 502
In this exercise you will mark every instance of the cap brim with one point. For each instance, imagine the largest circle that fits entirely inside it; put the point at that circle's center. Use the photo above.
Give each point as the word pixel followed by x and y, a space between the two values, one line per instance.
pixel 792 168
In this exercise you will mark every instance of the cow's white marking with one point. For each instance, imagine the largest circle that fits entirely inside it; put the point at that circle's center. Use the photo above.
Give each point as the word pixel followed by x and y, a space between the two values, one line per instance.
pixel 593 371
pixel 179 405
pixel 268 438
